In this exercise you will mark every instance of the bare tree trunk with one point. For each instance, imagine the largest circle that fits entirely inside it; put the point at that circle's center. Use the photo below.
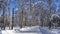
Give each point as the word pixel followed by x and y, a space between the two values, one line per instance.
pixel 49 1
pixel 12 18
pixel 4 17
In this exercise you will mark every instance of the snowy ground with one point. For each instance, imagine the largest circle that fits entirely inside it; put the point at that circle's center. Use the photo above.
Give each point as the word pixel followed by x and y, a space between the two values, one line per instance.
pixel 31 30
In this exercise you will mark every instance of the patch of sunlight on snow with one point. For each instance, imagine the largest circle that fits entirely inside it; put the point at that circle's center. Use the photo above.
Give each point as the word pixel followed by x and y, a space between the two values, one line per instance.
pixel 54 32
pixel 25 29
pixel 10 31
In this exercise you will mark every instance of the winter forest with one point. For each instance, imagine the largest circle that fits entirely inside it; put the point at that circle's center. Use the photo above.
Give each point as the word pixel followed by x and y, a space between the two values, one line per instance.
pixel 41 16
pixel 36 12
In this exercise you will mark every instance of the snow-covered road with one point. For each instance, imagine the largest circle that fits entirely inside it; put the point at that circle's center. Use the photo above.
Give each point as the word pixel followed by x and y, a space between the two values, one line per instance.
pixel 31 30
pixel 12 32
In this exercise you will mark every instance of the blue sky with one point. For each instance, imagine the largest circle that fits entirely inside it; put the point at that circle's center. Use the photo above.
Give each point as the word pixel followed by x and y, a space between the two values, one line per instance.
pixel 13 4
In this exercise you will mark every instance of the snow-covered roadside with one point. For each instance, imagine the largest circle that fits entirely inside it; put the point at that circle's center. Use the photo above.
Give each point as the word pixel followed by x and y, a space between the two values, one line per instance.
pixel 55 31
pixel 26 30
pixel 41 30
pixel 45 30
pixel 31 30
pixel 7 32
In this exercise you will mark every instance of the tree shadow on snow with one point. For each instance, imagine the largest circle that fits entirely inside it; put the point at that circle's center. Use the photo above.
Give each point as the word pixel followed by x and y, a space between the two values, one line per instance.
pixel 0 32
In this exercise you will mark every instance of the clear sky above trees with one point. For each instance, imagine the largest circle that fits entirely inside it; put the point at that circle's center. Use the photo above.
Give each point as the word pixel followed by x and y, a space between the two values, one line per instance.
pixel 55 3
